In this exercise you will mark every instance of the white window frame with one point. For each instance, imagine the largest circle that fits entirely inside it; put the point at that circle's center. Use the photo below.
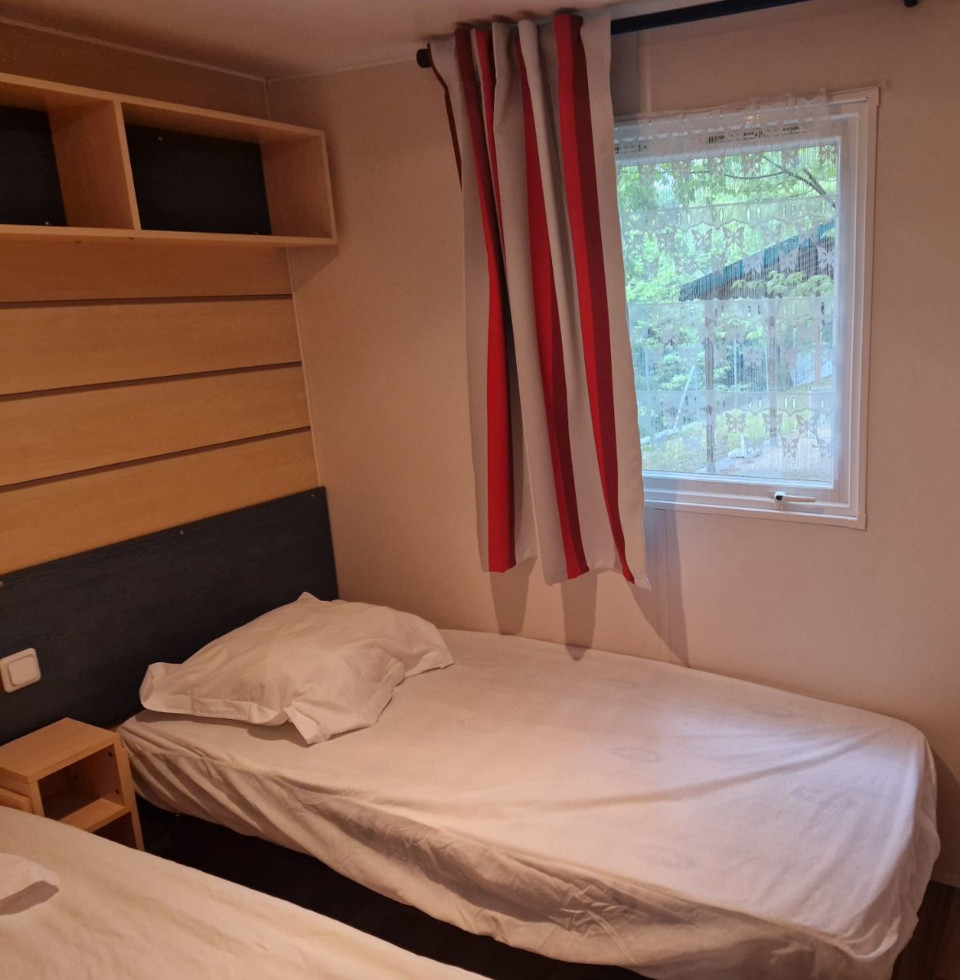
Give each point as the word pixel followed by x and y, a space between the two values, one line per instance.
pixel 845 503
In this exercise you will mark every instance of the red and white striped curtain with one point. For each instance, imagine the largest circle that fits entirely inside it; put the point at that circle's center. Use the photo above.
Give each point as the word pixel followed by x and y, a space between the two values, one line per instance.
pixel 554 419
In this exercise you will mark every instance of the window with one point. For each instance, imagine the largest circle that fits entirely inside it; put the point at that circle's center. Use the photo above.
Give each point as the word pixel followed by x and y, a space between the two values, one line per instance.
pixel 746 241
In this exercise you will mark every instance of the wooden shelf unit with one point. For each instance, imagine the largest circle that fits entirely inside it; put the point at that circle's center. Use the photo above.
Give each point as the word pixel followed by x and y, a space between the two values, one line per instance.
pixel 88 129
pixel 74 773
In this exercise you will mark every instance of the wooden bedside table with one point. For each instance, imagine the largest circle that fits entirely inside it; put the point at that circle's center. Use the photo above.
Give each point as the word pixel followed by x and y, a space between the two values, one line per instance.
pixel 75 773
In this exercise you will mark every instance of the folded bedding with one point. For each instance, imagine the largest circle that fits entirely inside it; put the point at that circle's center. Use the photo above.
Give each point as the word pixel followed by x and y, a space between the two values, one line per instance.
pixel 111 912
pixel 594 808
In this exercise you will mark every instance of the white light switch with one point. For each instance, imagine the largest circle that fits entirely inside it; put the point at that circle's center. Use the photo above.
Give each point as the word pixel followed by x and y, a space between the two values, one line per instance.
pixel 19 669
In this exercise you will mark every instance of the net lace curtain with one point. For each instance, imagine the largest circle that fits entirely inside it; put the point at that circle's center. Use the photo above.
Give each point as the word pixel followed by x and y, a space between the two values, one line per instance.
pixel 556 448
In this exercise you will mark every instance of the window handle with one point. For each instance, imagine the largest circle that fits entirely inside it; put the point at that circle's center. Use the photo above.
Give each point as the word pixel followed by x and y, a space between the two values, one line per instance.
pixel 782 497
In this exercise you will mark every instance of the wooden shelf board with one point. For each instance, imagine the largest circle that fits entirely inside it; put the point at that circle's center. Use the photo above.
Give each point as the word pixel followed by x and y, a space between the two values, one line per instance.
pixel 16 801
pixel 19 90
pixel 30 93
pixel 40 753
pixel 39 233
pixel 82 810
pixel 186 119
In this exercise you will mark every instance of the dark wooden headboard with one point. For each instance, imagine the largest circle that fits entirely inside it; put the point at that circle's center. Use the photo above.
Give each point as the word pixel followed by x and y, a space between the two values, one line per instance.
pixel 98 619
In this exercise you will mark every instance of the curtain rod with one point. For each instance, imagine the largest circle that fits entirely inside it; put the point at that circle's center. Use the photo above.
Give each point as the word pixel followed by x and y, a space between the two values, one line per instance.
pixel 678 15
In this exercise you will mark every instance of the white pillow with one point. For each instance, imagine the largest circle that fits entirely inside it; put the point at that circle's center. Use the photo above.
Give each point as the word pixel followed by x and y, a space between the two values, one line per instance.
pixel 24 883
pixel 413 641
pixel 315 664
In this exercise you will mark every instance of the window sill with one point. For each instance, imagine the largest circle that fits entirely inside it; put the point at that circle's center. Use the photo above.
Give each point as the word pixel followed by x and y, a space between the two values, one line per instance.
pixel 758 509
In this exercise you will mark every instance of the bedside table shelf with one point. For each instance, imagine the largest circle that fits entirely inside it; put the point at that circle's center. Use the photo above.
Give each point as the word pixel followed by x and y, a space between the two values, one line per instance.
pixel 80 810
pixel 74 773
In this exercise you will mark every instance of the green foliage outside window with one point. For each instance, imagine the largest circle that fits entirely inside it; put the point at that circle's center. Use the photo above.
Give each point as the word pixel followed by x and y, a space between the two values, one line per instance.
pixel 730 280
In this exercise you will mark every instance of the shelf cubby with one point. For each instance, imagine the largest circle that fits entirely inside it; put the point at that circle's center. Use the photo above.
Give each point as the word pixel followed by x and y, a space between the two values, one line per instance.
pixel 29 185
pixel 86 793
pixel 141 170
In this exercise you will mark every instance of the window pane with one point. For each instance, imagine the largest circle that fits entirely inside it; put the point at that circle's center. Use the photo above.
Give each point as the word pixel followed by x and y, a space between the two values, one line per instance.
pixel 731 283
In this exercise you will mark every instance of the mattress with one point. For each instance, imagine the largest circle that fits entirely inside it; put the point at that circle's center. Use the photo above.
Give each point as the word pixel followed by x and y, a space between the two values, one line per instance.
pixel 594 808
pixel 121 913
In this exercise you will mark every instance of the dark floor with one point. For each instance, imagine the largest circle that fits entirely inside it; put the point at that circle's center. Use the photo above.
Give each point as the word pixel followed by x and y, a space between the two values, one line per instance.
pixel 305 881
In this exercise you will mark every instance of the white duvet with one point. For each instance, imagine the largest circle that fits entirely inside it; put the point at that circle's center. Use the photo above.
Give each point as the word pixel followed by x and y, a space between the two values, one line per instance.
pixel 121 914
pixel 595 808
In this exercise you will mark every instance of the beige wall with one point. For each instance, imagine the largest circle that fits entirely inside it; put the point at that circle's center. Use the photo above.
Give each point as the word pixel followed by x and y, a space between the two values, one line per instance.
pixel 871 617
pixel 76 61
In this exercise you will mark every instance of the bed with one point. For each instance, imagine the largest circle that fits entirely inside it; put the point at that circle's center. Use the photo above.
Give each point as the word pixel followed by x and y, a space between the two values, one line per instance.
pixel 123 913
pixel 594 808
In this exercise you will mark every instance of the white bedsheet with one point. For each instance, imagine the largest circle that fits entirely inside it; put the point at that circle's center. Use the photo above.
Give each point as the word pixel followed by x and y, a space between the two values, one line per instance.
pixel 595 808
pixel 121 914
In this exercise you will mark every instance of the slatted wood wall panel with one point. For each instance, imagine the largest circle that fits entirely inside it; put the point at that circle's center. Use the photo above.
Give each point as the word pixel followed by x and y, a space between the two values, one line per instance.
pixel 83 429
pixel 141 385
pixel 69 271
pixel 96 345
pixel 61 517
pixel 120 416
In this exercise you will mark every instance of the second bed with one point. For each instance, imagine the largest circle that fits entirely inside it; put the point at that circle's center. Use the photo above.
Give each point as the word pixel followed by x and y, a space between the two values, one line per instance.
pixel 594 808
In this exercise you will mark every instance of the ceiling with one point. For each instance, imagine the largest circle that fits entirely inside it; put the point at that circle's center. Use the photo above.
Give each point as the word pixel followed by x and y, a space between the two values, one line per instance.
pixel 275 38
